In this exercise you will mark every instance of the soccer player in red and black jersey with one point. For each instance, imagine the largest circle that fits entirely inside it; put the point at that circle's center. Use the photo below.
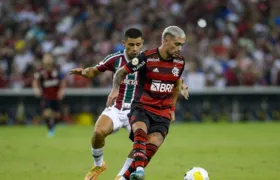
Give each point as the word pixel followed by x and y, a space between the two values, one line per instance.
pixel 153 107
pixel 49 85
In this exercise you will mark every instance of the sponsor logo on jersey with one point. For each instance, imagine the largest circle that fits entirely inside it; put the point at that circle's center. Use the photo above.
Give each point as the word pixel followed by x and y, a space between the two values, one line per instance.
pixel 178 61
pixel 129 81
pixel 51 83
pixel 161 87
pixel 138 66
pixel 153 60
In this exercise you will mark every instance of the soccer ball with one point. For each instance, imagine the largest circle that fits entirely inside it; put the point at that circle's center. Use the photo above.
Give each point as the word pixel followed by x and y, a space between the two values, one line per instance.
pixel 196 173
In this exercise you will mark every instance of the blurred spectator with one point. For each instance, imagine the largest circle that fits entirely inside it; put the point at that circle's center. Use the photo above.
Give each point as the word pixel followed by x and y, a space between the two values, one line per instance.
pixel 229 43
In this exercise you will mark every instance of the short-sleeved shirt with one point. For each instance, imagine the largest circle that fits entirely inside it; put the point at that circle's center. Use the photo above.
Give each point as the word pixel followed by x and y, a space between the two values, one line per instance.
pixel 128 86
pixel 50 81
pixel 157 78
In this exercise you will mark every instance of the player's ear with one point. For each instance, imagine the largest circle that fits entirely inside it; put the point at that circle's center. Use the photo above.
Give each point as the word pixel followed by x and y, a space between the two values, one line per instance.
pixel 165 40
pixel 142 43
pixel 123 42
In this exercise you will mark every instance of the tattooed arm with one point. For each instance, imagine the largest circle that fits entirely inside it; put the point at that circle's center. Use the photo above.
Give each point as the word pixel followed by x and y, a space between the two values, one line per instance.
pixel 136 64
pixel 118 77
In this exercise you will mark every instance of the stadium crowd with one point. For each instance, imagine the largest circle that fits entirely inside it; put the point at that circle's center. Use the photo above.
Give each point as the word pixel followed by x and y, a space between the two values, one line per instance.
pixel 229 42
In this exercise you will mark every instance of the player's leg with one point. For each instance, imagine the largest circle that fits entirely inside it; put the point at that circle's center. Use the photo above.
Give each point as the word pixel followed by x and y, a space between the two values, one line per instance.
pixel 129 159
pixel 126 165
pixel 48 116
pixel 106 124
pixel 51 113
pixel 139 125
pixel 157 131
pixel 154 141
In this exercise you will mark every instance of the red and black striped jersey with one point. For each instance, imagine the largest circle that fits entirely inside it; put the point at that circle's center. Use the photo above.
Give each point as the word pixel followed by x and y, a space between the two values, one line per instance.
pixel 50 80
pixel 157 78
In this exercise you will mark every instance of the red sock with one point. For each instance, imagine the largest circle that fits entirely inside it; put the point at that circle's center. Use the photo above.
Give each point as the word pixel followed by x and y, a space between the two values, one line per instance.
pixel 150 152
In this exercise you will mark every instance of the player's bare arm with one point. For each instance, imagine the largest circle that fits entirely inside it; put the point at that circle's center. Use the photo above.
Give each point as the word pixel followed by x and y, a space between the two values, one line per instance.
pixel 90 72
pixel 119 75
pixel 36 88
pixel 174 98
pixel 62 89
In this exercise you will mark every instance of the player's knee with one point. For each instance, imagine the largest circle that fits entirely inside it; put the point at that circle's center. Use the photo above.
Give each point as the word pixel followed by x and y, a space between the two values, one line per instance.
pixel 47 113
pixel 100 133
pixel 139 125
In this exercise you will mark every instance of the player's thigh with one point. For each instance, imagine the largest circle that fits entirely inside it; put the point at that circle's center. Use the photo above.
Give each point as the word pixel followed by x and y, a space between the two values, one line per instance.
pixel 47 112
pixel 108 122
pixel 138 119
pixel 159 129
pixel 123 116
pixel 48 108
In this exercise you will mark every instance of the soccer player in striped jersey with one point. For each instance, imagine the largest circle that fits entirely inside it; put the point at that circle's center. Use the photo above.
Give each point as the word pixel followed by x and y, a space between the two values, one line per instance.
pixel 152 110
pixel 49 84
pixel 114 117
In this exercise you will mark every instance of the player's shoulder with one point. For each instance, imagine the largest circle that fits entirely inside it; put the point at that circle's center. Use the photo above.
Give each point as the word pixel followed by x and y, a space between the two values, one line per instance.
pixel 113 56
pixel 150 52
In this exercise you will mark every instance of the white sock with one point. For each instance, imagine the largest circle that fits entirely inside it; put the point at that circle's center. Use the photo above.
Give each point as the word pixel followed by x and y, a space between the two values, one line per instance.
pixel 125 166
pixel 97 155
pixel 139 169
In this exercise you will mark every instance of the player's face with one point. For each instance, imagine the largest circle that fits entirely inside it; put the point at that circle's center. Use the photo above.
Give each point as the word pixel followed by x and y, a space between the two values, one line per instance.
pixel 133 46
pixel 174 45
pixel 47 60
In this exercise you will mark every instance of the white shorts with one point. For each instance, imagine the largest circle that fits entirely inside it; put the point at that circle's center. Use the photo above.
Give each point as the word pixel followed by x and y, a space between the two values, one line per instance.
pixel 119 118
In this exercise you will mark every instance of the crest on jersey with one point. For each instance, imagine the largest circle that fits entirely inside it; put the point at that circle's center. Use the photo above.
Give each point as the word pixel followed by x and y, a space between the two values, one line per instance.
pixel 54 73
pixel 175 71
pixel 135 61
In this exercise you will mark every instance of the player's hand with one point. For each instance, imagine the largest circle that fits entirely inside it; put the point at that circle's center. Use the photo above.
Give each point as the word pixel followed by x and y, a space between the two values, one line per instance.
pixel 77 71
pixel 38 92
pixel 172 119
pixel 185 91
pixel 112 96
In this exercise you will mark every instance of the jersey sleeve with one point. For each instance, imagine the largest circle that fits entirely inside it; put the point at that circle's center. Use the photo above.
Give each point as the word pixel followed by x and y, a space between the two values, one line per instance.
pixel 107 64
pixel 136 64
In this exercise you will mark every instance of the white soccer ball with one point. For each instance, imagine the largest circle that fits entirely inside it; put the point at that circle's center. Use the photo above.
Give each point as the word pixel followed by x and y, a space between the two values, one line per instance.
pixel 196 173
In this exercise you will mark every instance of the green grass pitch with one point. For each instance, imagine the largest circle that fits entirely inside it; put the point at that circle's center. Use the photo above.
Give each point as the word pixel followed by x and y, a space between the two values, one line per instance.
pixel 227 151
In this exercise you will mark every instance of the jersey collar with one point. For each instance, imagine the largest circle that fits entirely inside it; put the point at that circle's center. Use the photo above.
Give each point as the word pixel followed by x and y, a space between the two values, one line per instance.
pixel 125 55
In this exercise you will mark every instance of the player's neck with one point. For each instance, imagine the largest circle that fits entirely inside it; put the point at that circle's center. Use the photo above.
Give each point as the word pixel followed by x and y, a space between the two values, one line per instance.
pixel 163 54
pixel 127 56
